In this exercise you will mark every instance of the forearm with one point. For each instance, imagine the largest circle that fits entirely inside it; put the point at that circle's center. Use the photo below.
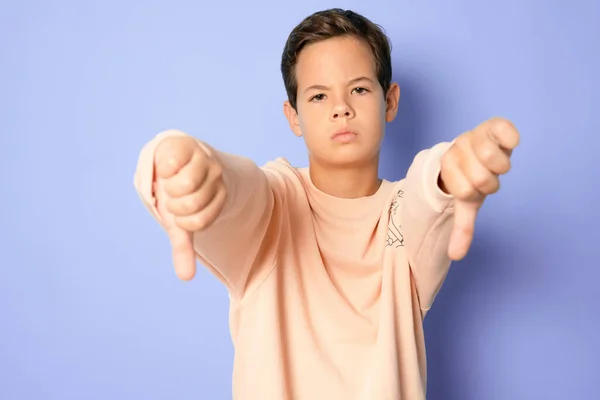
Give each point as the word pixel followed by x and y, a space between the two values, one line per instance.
pixel 427 221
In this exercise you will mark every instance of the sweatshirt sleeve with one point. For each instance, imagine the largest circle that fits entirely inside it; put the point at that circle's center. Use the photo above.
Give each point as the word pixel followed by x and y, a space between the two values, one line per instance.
pixel 427 221
pixel 240 247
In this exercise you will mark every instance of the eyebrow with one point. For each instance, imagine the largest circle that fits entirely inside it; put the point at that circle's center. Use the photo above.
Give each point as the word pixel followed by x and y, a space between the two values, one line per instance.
pixel 351 82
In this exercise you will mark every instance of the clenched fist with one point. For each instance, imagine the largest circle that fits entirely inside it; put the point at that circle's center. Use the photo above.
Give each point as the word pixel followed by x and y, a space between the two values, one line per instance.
pixel 190 194
pixel 470 171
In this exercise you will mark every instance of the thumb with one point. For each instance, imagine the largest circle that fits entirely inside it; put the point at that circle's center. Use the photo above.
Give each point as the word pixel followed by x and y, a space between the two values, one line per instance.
pixel 184 256
pixel 465 214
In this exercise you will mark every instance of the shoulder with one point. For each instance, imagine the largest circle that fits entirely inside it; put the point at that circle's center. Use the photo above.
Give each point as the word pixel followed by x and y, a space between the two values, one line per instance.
pixel 284 176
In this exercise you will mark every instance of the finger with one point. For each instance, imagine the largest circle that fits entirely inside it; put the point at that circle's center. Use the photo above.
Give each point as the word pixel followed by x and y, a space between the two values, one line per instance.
pixel 190 177
pixel 479 176
pixel 203 219
pixel 454 179
pixel 184 257
pixel 465 214
pixel 490 154
pixel 503 132
pixel 172 154
pixel 193 203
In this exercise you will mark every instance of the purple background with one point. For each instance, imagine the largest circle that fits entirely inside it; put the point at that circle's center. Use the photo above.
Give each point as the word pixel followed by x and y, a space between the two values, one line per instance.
pixel 90 307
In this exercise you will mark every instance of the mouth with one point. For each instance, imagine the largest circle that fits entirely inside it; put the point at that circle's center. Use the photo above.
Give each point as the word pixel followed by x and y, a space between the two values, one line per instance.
pixel 344 136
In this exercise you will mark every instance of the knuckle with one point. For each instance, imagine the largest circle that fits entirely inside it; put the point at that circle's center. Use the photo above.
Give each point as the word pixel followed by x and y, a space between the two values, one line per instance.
pixel 196 202
pixel 201 221
pixel 186 223
pixel 501 124
pixel 202 199
pixel 487 154
pixel 480 180
pixel 494 187
pixel 504 165
pixel 186 183
pixel 505 129
pixel 464 192
pixel 188 205
pixel 176 207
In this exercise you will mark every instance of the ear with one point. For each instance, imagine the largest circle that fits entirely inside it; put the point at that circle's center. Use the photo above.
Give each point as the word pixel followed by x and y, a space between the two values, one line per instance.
pixel 292 117
pixel 391 99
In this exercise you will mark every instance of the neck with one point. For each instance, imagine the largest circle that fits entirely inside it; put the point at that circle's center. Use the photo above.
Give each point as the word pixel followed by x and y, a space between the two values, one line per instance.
pixel 345 181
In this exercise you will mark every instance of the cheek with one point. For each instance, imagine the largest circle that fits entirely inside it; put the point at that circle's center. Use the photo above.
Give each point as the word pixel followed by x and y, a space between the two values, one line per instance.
pixel 311 119
pixel 381 107
pixel 312 127
pixel 375 112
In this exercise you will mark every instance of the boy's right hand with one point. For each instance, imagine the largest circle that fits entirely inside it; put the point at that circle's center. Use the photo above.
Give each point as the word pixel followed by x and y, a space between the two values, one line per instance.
pixel 190 195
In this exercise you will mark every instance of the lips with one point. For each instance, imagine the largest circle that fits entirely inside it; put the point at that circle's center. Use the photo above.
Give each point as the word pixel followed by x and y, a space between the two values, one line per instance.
pixel 343 132
pixel 344 136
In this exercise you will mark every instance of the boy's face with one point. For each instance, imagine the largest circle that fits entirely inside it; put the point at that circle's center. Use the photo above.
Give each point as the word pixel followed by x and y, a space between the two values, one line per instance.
pixel 338 91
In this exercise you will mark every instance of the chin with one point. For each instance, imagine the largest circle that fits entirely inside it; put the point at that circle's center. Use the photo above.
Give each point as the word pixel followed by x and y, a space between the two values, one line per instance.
pixel 349 158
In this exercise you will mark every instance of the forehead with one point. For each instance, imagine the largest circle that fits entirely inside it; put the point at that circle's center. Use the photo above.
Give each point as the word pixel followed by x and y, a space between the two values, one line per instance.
pixel 334 60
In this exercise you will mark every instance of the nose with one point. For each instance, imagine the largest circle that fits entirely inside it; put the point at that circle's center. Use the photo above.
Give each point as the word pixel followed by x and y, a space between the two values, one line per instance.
pixel 342 110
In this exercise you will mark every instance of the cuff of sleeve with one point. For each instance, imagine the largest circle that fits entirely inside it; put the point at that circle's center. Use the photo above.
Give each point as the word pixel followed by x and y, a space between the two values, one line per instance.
pixel 434 195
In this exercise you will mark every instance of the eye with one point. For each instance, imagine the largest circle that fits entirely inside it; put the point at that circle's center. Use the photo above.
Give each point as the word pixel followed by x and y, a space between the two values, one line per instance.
pixel 360 90
pixel 317 97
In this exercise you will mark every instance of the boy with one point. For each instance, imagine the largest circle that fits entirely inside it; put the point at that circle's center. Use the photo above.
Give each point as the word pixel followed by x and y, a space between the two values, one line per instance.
pixel 330 269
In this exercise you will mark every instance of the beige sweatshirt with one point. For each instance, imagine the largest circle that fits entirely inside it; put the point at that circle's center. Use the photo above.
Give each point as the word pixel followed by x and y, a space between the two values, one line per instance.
pixel 327 294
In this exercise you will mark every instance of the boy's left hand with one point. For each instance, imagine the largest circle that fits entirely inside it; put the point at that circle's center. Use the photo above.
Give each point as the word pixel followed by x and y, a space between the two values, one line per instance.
pixel 470 171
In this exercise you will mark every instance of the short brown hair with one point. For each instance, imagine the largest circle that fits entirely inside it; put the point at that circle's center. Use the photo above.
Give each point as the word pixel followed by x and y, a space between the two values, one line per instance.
pixel 332 23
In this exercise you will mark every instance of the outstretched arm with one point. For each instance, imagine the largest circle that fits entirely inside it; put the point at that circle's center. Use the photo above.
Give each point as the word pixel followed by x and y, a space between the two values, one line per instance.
pixel 217 207
pixel 444 189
